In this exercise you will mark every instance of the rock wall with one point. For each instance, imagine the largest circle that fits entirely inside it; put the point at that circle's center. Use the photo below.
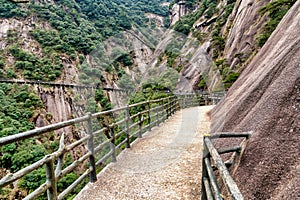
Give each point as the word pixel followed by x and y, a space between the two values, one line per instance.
pixel 243 24
pixel 239 32
pixel 266 100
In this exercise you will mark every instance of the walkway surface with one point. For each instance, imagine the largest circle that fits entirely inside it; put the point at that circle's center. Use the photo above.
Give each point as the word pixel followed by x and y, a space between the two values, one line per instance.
pixel 164 164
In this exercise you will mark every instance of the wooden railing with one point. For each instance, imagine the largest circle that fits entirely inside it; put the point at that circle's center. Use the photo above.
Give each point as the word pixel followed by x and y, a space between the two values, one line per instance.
pixel 101 143
pixel 67 85
pixel 210 187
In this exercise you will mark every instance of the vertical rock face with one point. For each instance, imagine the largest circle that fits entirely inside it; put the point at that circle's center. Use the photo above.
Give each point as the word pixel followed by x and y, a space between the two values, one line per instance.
pixel 266 100
pixel 245 21
pixel 239 34
pixel 198 64
pixel 178 10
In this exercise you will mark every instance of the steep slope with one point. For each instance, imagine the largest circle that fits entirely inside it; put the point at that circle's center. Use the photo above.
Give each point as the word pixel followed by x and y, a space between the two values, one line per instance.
pixel 266 100
pixel 49 41
pixel 219 36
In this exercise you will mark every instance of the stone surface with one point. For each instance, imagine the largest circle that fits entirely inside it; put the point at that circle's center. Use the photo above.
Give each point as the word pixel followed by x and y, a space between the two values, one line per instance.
pixel 265 99
pixel 164 164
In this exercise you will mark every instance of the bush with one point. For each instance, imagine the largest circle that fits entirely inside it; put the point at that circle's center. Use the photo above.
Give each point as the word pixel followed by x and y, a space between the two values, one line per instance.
pixel 275 10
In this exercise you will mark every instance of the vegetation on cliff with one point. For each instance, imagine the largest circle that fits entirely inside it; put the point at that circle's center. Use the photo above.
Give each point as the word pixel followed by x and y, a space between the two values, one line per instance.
pixel 59 31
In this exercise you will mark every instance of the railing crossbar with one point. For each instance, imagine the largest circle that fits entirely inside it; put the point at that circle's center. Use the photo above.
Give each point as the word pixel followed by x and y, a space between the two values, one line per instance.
pixel 224 173
pixel 154 113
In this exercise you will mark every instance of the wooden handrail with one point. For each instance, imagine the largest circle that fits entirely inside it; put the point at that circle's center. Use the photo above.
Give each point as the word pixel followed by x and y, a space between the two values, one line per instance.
pixel 155 113
pixel 209 182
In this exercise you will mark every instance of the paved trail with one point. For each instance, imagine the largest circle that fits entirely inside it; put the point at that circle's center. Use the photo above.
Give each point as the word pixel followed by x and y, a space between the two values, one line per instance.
pixel 164 164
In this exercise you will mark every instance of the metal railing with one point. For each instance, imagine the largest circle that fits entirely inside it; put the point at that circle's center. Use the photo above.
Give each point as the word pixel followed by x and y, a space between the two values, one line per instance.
pixel 210 187
pixel 128 123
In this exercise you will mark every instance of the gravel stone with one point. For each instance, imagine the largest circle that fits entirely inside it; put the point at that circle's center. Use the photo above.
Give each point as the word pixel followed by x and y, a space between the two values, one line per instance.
pixel 164 164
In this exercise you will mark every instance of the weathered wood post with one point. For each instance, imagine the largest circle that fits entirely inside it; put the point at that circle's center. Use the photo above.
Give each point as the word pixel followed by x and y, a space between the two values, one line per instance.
pixel 112 143
pixel 127 115
pixel 178 103
pixel 149 116
pixel 204 170
pixel 50 177
pixel 140 125
pixel 213 98
pixel 90 143
pixel 162 110
pixel 171 106
pixel 167 108
pixel 231 186
pixel 157 116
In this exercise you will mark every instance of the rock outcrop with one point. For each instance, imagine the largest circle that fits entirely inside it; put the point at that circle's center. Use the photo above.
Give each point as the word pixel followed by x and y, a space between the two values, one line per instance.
pixel 245 21
pixel 266 100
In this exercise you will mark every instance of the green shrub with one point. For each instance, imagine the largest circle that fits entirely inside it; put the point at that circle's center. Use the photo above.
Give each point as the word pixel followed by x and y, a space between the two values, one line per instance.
pixel 275 10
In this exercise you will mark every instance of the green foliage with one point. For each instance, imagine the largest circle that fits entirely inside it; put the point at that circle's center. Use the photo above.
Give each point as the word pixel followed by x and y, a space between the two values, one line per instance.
pixel 2 64
pixel 102 99
pixel 78 27
pixel 168 79
pixel 185 24
pixel 126 82
pixel 52 40
pixel 34 179
pixel 218 42
pixel 17 105
pixel 27 154
pixel 202 84
pixel 230 79
pixel 125 60
pixel 275 10
pixel 172 52
pixel 85 23
pixel 9 10
pixel 150 91
pixel 46 69
pixel 218 45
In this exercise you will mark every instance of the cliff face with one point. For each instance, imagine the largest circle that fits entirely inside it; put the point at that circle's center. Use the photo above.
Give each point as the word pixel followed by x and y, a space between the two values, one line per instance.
pixel 266 100
pixel 231 30
pixel 242 27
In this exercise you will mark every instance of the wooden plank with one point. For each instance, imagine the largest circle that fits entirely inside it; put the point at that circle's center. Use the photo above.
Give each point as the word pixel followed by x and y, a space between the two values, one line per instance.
pixel 230 135
pixel 230 149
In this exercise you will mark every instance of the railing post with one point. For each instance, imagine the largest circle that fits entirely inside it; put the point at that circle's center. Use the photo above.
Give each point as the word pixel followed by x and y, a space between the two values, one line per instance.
pixel 93 175
pixel 176 104
pixel 157 116
pixel 149 116
pixel 127 114
pixel 50 176
pixel 167 109
pixel 204 170
pixel 112 143
pixel 171 106
pixel 140 125
pixel 162 110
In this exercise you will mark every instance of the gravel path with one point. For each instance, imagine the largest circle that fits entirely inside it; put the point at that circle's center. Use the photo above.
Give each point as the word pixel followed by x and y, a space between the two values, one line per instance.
pixel 164 164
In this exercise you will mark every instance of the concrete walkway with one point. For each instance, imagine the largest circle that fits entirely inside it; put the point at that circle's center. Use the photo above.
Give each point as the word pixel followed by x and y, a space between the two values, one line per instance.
pixel 164 164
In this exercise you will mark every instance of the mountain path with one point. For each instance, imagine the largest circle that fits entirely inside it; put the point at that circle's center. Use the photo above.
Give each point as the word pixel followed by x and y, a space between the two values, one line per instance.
pixel 164 164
